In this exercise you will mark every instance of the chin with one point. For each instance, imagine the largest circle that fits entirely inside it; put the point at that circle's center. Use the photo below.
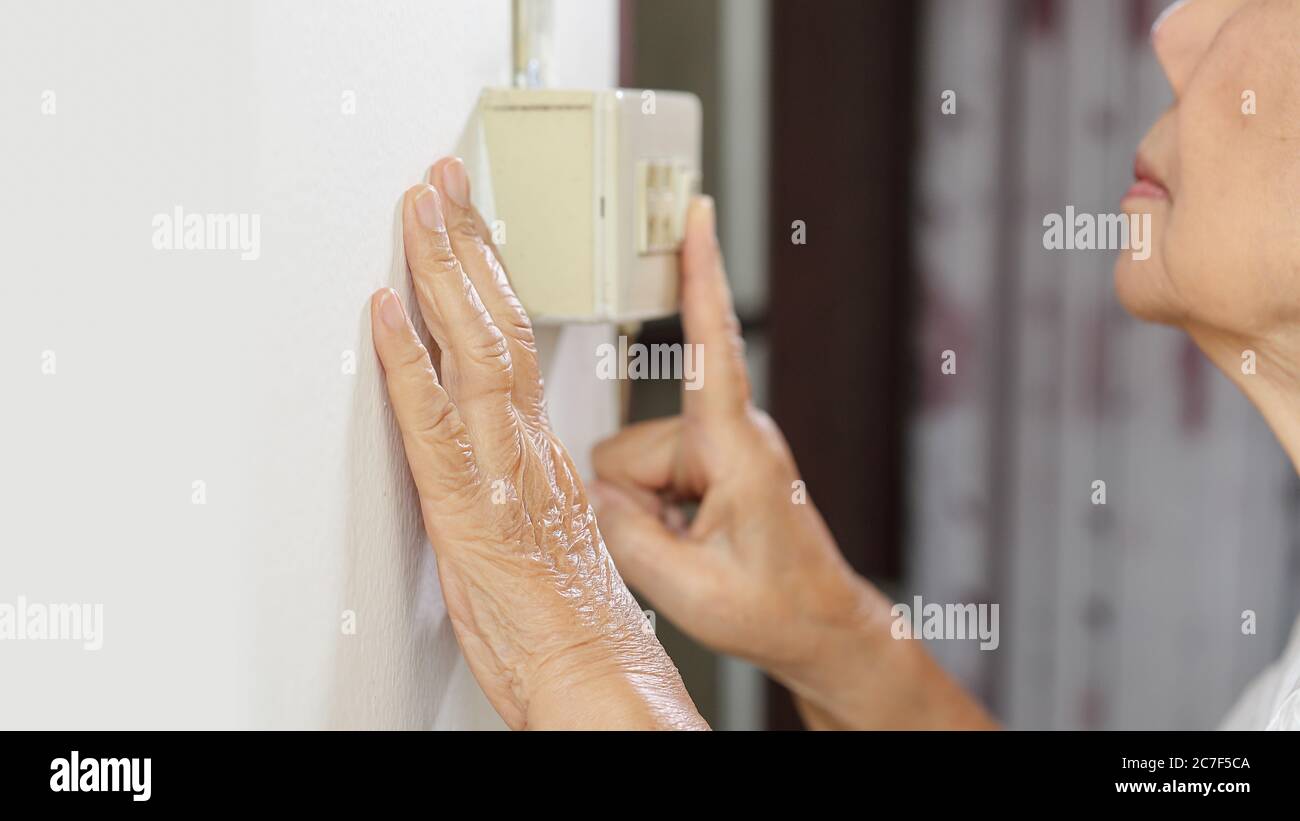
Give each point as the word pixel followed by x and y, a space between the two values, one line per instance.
pixel 1142 287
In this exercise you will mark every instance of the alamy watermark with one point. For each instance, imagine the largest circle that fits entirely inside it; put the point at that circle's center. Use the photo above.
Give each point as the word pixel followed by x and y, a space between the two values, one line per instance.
pixel 127 775
pixel 922 620
pixel 179 231
pixel 1102 232
pixel 38 621
pixel 654 361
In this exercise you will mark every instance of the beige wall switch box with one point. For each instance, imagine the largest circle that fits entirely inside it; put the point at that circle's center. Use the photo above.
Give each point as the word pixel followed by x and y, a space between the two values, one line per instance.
pixel 586 192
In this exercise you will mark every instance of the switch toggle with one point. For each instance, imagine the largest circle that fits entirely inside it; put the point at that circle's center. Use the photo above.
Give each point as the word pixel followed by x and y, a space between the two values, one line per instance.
pixel 663 190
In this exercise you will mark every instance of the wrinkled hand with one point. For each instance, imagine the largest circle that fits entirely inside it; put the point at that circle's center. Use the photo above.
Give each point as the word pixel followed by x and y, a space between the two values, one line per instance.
pixel 756 574
pixel 546 624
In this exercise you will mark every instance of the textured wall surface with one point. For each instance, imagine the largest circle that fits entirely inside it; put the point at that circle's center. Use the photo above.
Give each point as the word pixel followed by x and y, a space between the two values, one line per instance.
pixel 254 377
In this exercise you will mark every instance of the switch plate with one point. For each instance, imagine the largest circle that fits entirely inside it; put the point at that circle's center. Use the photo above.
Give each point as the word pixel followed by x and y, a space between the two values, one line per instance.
pixel 586 192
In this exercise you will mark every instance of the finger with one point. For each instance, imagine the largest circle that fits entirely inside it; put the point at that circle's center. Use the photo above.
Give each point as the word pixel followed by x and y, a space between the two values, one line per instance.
pixel 436 442
pixel 647 555
pixel 471 241
pixel 709 320
pixel 476 367
pixel 643 456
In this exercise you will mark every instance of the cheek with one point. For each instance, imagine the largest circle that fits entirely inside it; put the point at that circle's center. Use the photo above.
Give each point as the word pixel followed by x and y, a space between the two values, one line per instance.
pixel 1224 240
pixel 1191 252
pixel 1230 239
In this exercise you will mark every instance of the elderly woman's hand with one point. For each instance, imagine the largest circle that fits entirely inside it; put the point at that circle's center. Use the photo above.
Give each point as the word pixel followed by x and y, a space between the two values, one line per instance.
pixel 547 626
pixel 756 574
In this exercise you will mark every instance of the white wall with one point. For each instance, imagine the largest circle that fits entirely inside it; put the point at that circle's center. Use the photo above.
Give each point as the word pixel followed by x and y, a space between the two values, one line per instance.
pixel 177 366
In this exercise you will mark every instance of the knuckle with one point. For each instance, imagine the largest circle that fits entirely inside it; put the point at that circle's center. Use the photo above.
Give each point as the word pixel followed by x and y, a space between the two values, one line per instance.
pixel 491 368
pixel 414 356
pixel 490 347
pixel 513 319
pixel 436 256
pixel 463 229
pixel 440 422
pixel 517 324
pixel 442 264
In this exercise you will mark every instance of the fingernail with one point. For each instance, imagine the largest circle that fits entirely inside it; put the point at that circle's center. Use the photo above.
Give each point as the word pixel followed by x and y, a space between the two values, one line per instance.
pixel 455 183
pixel 709 215
pixel 390 311
pixel 428 210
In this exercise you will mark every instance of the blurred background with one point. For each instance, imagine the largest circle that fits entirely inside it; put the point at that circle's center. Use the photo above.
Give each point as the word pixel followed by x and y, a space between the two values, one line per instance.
pixel 924 234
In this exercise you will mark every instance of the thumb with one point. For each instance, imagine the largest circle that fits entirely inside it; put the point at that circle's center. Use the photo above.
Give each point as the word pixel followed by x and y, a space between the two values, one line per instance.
pixel 648 555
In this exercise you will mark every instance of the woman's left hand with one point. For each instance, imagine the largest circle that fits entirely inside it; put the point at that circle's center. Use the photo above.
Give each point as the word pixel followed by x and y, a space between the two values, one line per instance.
pixel 546 623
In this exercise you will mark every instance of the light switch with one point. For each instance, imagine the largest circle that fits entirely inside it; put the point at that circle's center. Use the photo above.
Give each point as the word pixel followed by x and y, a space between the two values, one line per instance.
pixel 663 189
pixel 587 192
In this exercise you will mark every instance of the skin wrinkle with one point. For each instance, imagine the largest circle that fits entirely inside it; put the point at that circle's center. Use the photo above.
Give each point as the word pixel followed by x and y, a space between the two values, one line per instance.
pixel 567 550
pixel 553 634
pixel 531 591
pixel 469 227
pixel 1227 247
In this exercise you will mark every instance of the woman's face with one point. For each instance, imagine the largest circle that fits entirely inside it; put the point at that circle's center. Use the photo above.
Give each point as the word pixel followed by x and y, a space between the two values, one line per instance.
pixel 1223 183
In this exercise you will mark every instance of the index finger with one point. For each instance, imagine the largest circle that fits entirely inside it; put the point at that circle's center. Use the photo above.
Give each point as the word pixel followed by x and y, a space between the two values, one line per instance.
pixel 709 320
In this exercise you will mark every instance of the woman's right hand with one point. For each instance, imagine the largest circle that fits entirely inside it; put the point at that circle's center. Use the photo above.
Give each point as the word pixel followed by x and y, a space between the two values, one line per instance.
pixel 757 573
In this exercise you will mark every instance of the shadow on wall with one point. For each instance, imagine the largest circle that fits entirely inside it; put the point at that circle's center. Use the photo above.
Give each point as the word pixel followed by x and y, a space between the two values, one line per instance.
pixel 395 646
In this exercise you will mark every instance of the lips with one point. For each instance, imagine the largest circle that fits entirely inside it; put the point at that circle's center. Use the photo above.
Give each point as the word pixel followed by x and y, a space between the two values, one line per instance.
pixel 1147 185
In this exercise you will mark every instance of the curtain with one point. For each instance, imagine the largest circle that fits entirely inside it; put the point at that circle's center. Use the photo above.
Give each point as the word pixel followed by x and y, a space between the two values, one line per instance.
pixel 1127 614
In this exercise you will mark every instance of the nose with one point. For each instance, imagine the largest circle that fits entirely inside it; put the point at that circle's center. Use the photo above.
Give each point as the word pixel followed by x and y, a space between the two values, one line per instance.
pixel 1165 15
